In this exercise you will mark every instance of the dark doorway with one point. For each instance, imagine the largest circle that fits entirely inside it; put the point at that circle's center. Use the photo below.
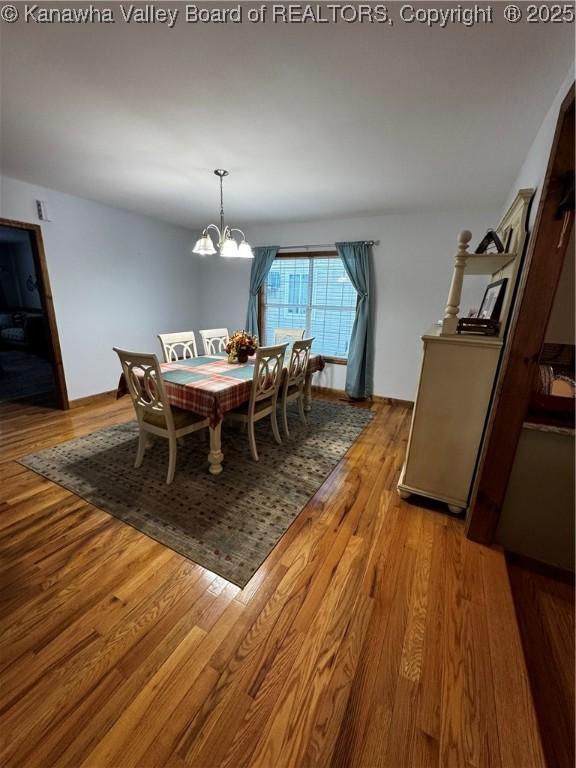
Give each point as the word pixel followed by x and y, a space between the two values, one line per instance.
pixel 30 363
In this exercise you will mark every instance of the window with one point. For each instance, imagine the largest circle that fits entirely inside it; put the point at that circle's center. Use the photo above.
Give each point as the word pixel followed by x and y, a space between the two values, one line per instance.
pixel 297 289
pixel 275 281
pixel 311 292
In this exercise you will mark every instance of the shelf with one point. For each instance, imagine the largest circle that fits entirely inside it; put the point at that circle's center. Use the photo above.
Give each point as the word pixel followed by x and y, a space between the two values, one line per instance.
pixel 487 263
pixel 478 340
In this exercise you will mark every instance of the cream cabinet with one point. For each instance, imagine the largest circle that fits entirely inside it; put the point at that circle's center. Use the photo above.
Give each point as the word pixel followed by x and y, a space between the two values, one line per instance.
pixel 454 392
pixel 458 376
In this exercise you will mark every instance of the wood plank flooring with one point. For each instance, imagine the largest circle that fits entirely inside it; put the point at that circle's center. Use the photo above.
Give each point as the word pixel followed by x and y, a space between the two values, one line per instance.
pixel 545 610
pixel 375 634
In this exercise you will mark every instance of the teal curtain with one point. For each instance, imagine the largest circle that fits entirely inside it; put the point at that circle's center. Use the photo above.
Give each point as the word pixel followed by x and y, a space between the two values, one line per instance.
pixel 261 263
pixel 360 367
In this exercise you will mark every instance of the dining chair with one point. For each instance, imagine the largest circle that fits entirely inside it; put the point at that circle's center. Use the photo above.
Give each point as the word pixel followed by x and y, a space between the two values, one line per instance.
pixel 178 346
pixel 154 413
pixel 282 335
pixel 295 380
pixel 214 340
pixel 266 381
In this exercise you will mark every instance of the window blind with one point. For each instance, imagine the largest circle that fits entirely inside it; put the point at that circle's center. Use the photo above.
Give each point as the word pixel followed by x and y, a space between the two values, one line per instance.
pixel 313 293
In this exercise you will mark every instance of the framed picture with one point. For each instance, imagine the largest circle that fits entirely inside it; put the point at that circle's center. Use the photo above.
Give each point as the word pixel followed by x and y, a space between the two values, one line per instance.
pixel 493 299
pixel 491 242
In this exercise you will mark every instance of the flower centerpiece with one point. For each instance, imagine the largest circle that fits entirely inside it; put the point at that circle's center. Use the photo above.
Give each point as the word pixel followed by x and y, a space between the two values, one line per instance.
pixel 240 346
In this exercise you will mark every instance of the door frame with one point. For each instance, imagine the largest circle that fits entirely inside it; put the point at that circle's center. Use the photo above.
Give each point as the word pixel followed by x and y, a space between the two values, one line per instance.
pixel 539 281
pixel 45 291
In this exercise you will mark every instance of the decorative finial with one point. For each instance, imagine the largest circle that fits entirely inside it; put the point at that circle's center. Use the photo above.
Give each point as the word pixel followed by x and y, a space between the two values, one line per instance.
pixel 450 322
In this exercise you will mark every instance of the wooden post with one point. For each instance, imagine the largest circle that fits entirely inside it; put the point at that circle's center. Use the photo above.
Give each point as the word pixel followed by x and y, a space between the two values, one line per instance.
pixel 450 321
pixel 538 282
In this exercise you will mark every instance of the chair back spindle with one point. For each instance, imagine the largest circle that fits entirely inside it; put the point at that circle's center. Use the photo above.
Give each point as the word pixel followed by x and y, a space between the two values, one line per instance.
pixel 268 370
pixel 299 359
pixel 283 335
pixel 178 346
pixel 214 340
pixel 145 385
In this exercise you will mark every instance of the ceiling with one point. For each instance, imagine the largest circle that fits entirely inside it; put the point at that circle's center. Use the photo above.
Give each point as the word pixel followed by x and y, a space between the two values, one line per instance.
pixel 312 120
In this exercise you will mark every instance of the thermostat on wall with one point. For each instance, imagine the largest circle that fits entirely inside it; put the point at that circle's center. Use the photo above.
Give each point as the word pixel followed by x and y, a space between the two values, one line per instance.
pixel 42 210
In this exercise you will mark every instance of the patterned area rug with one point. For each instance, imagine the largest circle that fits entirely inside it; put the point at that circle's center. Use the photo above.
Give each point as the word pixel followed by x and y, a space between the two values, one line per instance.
pixel 229 523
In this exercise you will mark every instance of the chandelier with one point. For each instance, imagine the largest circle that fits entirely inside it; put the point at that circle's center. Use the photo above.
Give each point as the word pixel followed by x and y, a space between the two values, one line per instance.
pixel 228 244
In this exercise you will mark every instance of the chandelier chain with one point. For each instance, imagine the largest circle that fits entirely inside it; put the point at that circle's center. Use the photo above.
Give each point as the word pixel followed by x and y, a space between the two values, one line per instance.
pixel 231 240
pixel 221 199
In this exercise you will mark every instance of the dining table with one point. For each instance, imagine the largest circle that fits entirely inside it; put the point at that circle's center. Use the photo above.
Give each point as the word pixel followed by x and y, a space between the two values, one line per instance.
pixel 209 385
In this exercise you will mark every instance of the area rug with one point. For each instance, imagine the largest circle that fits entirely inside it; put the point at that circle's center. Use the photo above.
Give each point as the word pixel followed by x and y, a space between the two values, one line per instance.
pixel 228 524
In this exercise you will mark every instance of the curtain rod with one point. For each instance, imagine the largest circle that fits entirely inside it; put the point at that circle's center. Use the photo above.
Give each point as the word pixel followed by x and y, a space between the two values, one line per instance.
pixel 321 245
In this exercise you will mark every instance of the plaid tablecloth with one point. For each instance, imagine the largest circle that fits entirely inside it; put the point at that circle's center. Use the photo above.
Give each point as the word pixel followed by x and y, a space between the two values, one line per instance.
pixel 210 386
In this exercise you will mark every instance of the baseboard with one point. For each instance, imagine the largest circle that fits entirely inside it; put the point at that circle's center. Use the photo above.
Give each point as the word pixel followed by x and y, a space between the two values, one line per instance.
pixel 330 391
pixel 341 394
pixel 540 567
pixel 393 401
pixel 92 399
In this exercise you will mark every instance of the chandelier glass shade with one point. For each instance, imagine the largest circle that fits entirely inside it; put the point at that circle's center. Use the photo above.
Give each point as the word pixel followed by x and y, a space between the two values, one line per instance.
pixel 231 241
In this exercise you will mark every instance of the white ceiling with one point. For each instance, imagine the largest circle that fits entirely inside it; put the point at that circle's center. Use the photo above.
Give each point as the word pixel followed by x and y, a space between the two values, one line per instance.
pixel 311 120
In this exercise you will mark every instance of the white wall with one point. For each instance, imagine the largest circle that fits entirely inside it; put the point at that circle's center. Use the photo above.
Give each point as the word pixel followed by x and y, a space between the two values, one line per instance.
pixel 537 518
pixel 533 170
pixel 117 279
pixel 413 268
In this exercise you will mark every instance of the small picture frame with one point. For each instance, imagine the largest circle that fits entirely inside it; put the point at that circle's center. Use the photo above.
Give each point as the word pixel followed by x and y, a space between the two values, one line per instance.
pixel 493 299
pixel 490 241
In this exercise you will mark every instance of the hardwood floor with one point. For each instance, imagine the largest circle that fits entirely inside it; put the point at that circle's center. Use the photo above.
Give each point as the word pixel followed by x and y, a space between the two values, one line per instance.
pixel 375 634
pixel 545 610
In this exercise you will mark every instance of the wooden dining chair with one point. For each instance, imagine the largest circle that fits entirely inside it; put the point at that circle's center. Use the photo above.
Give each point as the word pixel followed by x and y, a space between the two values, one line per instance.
pixel 178 346
pixel 153 411
pixel 283 335
pixel 266 381
pixel 214 340
pixel 295 380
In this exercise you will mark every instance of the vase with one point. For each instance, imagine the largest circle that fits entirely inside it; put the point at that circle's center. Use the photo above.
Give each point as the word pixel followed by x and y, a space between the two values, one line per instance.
pixel 242 355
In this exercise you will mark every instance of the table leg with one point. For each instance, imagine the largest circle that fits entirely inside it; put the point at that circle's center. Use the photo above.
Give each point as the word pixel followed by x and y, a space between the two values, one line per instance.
pixel 308 393
pixel 215 456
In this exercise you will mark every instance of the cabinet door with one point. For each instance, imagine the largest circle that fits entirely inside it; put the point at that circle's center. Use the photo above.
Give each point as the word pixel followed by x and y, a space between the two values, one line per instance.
pixel 453 397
